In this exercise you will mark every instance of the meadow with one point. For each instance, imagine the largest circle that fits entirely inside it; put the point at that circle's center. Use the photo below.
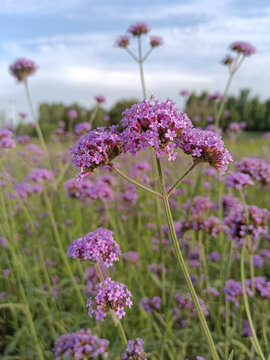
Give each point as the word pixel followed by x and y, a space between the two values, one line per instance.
pixel 184 239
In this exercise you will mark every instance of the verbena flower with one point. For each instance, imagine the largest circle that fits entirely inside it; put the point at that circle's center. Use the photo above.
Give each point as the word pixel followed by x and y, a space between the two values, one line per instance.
pixel 258 169
pixel 76 189
pixel 186 302
pixel 97 148
pixel 150 305
pixel 238 180
pixel 205 146
pixel 97 246
pixel 131 256
pixel 184 92
pixel 156 41
pixel 246 332
pixel 123 41
pixel 153 124
pixel 23 139
pixel 111 295
pixel 135 350
pixel 139 29
pixel 24 190
pixel 72 114
pixel 82 127
pixel 243 47
pixel 36 149
pixel 228 60
pixel 92 280
pixel 236 223
pixel 22 68
pixel 39 175
pixel 100 99
pixel 80 345
pixel 6 141
pixel 233 291
pixel 215 96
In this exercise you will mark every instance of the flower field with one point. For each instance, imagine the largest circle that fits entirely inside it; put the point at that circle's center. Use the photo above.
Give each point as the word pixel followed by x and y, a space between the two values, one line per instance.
pixel 143 240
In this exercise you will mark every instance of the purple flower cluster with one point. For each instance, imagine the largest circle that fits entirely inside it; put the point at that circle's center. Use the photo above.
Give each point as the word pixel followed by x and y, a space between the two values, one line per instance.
pixel 123 41
pixel 23 68
pixel 76 188
pixel 153 124
pixel 206 146
pixel 229 202
pixel 258 169
pixel 111 295
pixel 72 114
pixel 243 47
pixel 98 147
pixel 36 149
pixel 186 302
pixel 236 128
pixel 234 292
pixel 23 139
pixel 39 175
pixel 184 92
pixel 6 140
pixel 215 96
pixel 139 29
pixel 100 99
pixel 80 345
pixel 135 350
pixel 156 41
pixel 228 60
pixel 236 223
pixel 97 246
pixel 24 190
pixel 131 256
pixel 150 305
pixel 92 280
pixel 238 180
pixel 82 128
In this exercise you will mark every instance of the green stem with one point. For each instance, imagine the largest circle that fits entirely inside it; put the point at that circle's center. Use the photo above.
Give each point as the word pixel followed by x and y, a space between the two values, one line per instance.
pixel 141 66
pixel 250 321
pixel 116 321
pixel 169 193
pixel 131 54
pixel 36 122
pixel 153 192
pixel 222 104
pixel 182 264
pixel 93 115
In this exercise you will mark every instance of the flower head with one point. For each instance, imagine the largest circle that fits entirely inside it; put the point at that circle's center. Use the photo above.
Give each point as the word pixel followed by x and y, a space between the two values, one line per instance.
pixel 111 295
pixel 97 148
pixel 6 140
pixel 184 92
pixel 72 114
pixel 22 68
pixel 135 350
pixel 39 175
pixel 123 41
pixel 23 139
pixel 139 29
pixel 258 169
pixel 153 124
pixel 228 60
pixel 82 127
pixel 150 305
pixel 80 345
pixel 205 146
pixel 238 180
pixel 215 96
pixel 100 99
pixel 156 41
pixel 97 246
pixel 243 47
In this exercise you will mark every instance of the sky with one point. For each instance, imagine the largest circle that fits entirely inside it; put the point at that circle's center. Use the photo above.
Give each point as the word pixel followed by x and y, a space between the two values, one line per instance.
pixel 73 44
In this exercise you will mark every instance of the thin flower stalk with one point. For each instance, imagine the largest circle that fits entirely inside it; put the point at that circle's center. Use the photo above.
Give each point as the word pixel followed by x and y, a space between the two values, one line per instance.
pixel 171 190
pixel 182 264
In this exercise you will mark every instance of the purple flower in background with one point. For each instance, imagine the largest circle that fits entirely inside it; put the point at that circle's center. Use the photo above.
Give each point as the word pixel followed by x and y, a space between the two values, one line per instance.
pixel 243 47
pixel 131 256
pixel 110 295
pixel 22 68
pixel 184 92
pixel 238 180
pixel 6 272
pixel 39 175
pixel 106 117
pixel 229 202
pixel 3 242
pixel 211 291
pixel 153 124
pixel 97 148
pixel 97 246
pixel 214 256
pixel 205 146
pixel 76 188
pixel 258 169
pixel 36 149
pixel 135 350
pixel 23 139
pixel 215 96
pixel 80 345
pixel 92 280
pixel 257 260
pixel 82 127
pixel 228 60
pixel 139 29
pixel 246 332
pixel 150 305
pixel 100 99
pixel 72 114
pixel 186 302
pixel 123 41
pixel 6 141
pixel 24 190
pixel 234 292
pixel 156 41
